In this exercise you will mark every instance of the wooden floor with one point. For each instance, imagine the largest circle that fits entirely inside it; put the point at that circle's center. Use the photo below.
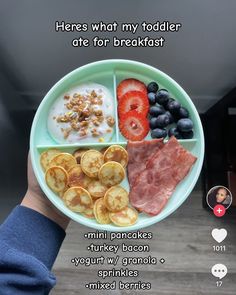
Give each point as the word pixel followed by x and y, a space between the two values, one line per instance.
pixel 183 240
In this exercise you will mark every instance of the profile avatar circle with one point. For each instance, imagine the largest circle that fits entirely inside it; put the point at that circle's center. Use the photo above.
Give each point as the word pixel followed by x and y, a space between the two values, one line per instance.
pixel 219 199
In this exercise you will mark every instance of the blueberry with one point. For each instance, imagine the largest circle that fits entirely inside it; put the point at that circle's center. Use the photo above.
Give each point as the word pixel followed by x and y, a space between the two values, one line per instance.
pixel 187 135
pixel 158 133
pixel 152 87
pixel 152 98
pixel 171 118
pixel 156 110
pixel 162 96
pixel 173 106
pixel 168 101
pixel 162 121
pixel 174 131
pixel 176 117
pixel 183 113
pixel 185 125
pixel 153 123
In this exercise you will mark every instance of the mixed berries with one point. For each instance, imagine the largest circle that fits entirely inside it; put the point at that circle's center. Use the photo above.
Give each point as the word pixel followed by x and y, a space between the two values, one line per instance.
pixel 134 126
pixel 141 108
pixel 164 112
pixel 129 85
pixel 133 100
pixel 133 107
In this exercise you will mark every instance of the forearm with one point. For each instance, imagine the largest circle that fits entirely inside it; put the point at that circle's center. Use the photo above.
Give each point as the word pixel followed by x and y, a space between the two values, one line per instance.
pixel 29 243
pixel 40 204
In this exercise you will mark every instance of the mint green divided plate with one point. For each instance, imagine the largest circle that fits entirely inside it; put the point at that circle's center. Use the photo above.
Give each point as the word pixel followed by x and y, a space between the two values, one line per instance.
pixel 109 73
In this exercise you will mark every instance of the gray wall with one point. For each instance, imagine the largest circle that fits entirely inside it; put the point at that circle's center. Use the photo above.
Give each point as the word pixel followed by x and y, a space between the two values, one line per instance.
pixel 201 57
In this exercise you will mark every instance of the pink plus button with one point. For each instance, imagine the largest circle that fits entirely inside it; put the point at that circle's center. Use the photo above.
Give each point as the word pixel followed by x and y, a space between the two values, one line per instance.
pixel 219 210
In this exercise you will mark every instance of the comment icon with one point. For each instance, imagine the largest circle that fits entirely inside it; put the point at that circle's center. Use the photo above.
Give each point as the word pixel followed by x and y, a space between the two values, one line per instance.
pixel 219 271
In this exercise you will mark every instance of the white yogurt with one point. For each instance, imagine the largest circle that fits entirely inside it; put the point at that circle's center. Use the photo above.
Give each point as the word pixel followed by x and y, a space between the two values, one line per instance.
pixel 59 109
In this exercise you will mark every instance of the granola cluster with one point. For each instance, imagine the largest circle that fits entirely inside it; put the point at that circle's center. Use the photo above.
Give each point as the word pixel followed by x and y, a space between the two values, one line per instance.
pixel 84 115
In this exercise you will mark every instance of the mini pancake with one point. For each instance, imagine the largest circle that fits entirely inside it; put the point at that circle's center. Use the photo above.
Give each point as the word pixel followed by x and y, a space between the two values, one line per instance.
pixel 111 173
pixel 89 213
pixel 65 160
pixel 61 194
pixel 56 178
pixel 116 153
pixel 126 217
pixel 76 177
pixel 78 199
pixel 97 189
pixel 91 162
pixel 78 154
pixel 100 212
pixel 47 156
pixel 116 198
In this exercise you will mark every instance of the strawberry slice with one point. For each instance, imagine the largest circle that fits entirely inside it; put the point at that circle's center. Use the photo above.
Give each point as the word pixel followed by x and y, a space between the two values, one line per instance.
pixel 133 100
pixel 134 126
pixel 130 85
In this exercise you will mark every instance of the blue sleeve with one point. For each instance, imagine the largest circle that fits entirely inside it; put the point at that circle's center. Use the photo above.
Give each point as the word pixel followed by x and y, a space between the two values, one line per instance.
pixel 29 244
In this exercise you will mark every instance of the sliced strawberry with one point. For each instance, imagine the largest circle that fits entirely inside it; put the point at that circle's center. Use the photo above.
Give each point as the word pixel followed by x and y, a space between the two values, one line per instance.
pixel 130 85
pixel 133 100
pixel 134 126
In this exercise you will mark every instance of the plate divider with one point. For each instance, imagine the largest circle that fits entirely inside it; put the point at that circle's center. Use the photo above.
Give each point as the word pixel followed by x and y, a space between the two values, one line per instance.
pixel 100 144
pixel 62 146
pixel 115 105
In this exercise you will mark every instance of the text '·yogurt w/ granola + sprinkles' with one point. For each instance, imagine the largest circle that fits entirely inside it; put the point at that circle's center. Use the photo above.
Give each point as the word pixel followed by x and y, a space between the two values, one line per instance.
pixel 85 113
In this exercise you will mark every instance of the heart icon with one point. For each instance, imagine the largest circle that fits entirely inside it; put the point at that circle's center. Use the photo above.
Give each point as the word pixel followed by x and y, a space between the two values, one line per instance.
pixel 219 234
